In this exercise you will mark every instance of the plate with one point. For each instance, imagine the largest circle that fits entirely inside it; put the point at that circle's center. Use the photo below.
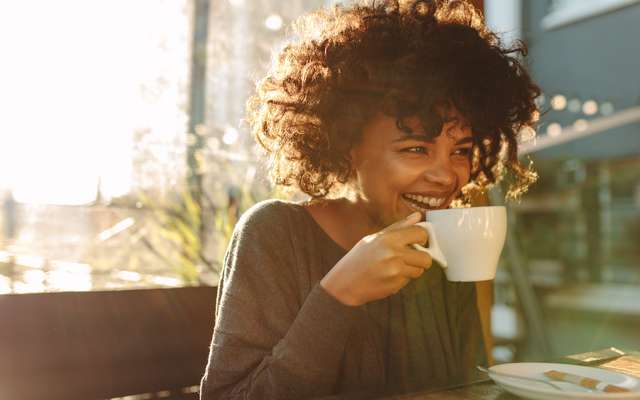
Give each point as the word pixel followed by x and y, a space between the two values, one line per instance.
pixel 542 391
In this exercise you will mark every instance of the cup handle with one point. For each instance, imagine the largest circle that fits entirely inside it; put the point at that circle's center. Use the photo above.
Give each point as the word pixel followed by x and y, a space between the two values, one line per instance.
pixel 434 249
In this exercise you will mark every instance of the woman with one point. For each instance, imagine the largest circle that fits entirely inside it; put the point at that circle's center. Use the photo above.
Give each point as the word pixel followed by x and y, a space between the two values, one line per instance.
pixel 379 113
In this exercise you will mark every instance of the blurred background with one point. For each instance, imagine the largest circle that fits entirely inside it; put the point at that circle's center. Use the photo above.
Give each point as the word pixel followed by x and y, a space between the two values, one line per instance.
pixel 124 161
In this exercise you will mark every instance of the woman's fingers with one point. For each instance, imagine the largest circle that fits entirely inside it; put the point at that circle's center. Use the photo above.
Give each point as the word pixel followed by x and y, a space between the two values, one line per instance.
pixel 410 220
pixel 401 269
pixel 416 258
pixel 405 236
pixel 413 272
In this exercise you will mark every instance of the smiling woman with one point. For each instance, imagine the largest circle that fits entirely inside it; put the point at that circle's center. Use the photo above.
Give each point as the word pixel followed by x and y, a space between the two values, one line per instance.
pixel 374 111
pixel 420 172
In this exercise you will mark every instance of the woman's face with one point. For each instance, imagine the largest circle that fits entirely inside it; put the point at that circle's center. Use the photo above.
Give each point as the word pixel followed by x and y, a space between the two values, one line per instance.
pixel 398 173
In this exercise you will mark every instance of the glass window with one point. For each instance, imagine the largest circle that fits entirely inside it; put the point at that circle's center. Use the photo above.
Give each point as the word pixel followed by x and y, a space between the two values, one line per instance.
pixel 98 158
pixel 565 12
pixel 94 106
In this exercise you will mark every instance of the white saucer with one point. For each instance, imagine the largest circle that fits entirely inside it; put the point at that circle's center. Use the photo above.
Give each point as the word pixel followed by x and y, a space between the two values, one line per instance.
pixel 542 391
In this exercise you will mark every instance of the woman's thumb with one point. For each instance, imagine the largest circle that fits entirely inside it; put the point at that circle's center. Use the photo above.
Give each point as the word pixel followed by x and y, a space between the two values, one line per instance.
pixel 411 219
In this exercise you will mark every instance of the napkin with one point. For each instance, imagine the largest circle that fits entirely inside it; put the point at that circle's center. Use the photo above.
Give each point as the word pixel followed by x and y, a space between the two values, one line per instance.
pixel 629 364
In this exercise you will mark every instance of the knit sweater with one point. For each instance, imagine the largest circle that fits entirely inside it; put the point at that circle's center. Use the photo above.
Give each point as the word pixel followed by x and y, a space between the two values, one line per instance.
pixel 279 335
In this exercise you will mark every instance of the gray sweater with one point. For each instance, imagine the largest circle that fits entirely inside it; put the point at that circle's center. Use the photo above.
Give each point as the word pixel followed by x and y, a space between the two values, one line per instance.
pixel 280 335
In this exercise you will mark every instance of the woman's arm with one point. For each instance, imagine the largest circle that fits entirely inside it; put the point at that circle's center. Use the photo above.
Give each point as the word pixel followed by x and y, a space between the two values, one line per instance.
pixel 266 343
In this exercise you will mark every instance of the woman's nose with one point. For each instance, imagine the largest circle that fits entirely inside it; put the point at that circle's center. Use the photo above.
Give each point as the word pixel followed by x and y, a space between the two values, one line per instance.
pixel 440 173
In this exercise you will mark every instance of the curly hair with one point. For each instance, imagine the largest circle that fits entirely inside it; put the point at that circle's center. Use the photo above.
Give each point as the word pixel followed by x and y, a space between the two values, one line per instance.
pixel 412 58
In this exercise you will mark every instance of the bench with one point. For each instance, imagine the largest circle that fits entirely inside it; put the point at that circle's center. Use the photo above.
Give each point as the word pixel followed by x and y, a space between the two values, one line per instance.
pixel 105 344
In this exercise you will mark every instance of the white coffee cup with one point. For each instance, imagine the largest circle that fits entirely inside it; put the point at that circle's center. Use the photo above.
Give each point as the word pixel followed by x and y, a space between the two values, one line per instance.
pixel 466 242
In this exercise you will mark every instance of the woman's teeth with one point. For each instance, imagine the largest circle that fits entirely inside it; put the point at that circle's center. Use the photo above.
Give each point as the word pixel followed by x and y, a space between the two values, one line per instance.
pixel 423 202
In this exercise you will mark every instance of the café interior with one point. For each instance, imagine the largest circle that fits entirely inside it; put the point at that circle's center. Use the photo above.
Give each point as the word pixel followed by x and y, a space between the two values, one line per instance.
pixel 114 111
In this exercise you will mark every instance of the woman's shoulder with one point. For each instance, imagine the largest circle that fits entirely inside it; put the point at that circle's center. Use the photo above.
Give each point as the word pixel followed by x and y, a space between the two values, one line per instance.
pixel 272 215
pixel 270 209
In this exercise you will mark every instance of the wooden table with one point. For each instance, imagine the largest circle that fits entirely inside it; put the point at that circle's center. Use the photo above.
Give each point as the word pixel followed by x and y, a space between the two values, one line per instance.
pixel 480 390
pixel 486 389
pixel 483 390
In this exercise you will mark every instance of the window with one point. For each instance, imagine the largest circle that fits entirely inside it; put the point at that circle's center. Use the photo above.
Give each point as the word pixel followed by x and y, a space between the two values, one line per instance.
pixel 94 106
pixel 565 12
pixel 95 147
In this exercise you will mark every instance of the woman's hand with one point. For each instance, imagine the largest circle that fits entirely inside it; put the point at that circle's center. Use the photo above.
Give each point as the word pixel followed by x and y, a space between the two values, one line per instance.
pixel 380 264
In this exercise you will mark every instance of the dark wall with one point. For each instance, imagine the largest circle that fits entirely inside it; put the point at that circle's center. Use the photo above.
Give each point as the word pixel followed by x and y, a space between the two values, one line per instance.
pixel 595 58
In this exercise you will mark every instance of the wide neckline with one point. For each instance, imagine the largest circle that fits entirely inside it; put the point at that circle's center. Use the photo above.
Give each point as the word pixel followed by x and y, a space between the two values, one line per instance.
pixel 320 230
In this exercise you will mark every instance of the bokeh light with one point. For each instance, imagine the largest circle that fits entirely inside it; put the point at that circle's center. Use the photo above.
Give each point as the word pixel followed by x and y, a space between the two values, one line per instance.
pixel 581 124
pixel 554 129
pixel 574 105
pixel 273 22
pixel 590 107
pixel 558 102
pixel 607 108
pixel 230 136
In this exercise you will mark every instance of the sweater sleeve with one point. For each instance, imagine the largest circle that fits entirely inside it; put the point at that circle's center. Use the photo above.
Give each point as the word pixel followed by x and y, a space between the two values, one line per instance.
pixel 267 342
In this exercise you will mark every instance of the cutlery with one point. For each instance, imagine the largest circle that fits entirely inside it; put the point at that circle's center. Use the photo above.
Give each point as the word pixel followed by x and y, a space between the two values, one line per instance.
pixel 583 381
pixel 524 378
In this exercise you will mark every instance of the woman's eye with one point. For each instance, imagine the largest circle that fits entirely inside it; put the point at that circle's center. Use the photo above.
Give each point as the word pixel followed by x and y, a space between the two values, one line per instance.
pixel 466 151
pixel 416 149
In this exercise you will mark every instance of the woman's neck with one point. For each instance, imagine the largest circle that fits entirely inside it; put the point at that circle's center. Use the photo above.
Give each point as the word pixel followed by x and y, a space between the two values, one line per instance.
pixel 345 221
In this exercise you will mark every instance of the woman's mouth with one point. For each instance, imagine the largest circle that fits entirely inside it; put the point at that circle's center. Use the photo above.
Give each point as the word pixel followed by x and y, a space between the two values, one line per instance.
pixel 422 203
